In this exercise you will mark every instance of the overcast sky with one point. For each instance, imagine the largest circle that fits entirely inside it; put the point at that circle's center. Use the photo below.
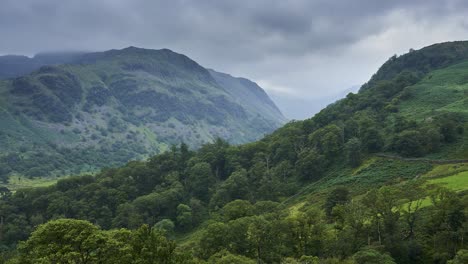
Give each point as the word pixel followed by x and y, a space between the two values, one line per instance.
pixel 305 53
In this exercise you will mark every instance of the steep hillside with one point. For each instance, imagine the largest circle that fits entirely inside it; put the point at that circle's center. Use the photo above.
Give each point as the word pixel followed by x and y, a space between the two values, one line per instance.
pixel 248 94
pixel 107 108
pixel 377 177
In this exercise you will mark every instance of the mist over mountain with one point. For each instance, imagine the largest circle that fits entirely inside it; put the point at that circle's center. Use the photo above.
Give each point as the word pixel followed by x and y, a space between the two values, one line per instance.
pixel 106 108
pixel 17 65
pixel 300 108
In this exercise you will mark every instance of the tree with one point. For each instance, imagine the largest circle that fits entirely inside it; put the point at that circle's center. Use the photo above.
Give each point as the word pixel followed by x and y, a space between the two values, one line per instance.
pixel 311 165
pixel 226 257
pixel 199 211
pixel 460 258
pixel 166 226
pixel 303 260
pixel 151 246
pixel 259 233
pixel 213 239
pixel 215 155
pixel 409 143
pixel 308 232
pixel 184 217
pixel 352 225
pixel 381 204
pixel 236 186
pixel 237 209
pixel 401 124
pixel 448 130
pixel 445 225
pixel 372 139
pixel 413 197
pixel 328 140
pixel 127 216
pixel 200 180
pixel 338 196
pixel 80 242
pixel 63 241
pixel 372 256
pixel 237 240
pixel 432 138
pixel 353 152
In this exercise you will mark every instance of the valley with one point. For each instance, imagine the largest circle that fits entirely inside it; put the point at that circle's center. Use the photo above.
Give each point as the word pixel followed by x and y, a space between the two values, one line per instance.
pixel 379 176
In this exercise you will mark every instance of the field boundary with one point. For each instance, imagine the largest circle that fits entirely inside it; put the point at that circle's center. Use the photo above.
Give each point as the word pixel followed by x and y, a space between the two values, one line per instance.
pixel 433 161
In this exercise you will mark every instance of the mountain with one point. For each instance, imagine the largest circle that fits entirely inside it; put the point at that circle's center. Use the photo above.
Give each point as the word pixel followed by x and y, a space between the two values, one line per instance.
pixel 377 177
pixel 300 108
pixel 16 65
pixel 248 93
pixel 106 108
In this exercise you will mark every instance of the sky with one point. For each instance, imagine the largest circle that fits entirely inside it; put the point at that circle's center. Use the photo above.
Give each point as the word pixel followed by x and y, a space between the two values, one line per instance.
pixel 304 53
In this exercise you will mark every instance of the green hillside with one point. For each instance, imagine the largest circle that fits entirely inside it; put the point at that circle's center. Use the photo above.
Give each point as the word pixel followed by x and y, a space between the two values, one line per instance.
pixel 377 177
pixel 104 109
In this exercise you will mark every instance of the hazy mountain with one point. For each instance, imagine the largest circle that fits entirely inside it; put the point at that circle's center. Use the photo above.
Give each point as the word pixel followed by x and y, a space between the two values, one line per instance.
pixel 105 108
pixel 17 65
pixel 248 93
pixel 298 108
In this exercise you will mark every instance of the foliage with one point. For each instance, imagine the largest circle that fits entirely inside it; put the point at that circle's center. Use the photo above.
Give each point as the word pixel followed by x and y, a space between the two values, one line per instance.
pixel 461 257
pixel 78 241
pixel 312 191
pixel 107 108
pixel 336 197
pixel 371 256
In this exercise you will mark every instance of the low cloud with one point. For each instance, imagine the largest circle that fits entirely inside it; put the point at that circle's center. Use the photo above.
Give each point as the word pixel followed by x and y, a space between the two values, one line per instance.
pixel 301 48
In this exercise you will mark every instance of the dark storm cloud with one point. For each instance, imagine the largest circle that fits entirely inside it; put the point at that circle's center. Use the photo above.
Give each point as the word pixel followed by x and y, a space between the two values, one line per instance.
pixel 258 27
pixel 295 47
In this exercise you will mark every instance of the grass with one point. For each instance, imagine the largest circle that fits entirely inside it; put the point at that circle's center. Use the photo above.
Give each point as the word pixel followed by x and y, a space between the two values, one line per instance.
pixel 456 182
pixel 446 170
pixel 295 209
pixel 17 182
pixel 441 91
pixel 379 171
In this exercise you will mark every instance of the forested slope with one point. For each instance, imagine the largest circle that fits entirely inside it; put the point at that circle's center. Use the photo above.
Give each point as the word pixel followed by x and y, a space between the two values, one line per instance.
pixel 314 191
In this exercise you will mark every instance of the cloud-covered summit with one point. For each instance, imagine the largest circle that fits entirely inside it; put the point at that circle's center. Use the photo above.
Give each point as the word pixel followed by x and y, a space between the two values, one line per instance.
pixel 296 48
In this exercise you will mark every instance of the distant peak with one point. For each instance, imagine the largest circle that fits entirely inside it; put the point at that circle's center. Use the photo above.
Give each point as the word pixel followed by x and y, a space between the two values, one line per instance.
pixel 138 49
pixel 132 48
pixel 59 53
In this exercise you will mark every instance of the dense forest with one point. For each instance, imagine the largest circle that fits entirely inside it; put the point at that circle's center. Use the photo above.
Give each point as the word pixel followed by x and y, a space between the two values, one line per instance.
pixel 360 182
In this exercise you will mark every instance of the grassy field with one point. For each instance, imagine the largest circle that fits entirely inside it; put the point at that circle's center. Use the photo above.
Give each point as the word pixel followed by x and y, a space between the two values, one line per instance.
pixel 18 182
pixel 446 170
pixel 456 182
pixel 442 91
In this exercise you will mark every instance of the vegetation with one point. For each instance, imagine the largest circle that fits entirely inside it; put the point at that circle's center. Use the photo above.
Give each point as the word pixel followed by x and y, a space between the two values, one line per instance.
pixel 104 109
pixel 314 191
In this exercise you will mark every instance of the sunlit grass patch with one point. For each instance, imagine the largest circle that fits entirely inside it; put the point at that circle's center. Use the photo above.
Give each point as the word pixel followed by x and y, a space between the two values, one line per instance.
pixel 446 170
pixel 17 182
pixel 457 182
pixel 295 209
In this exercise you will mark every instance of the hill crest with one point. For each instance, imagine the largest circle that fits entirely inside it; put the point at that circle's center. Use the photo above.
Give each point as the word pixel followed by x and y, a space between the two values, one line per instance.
pixel 124 104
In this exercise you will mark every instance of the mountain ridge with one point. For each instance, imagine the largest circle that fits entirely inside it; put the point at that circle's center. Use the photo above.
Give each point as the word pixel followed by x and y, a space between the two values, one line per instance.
pixel 126 103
